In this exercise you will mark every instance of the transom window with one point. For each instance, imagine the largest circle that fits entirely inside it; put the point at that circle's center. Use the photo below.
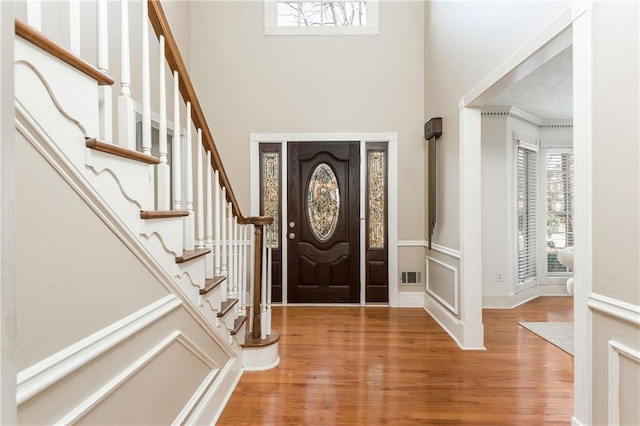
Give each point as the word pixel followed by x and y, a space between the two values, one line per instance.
pixel 321 17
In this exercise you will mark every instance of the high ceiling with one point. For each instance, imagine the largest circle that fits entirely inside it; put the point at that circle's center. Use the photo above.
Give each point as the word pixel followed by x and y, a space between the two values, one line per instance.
pixel 547 92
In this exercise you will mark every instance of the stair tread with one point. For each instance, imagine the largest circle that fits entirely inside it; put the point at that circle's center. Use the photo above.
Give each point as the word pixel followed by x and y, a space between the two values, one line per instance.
pixel 212 283
pixel 226 307
pixel 237 324
pixel 93 143
pixel 161 214
pixel 250 342
pixel 188 255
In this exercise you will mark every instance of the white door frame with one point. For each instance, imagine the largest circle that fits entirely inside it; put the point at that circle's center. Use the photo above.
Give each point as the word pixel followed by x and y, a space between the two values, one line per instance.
pixel 392 220
pixel 573 26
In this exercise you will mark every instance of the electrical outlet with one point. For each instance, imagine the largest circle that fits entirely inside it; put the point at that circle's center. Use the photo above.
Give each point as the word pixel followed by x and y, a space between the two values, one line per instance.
pixel 499 277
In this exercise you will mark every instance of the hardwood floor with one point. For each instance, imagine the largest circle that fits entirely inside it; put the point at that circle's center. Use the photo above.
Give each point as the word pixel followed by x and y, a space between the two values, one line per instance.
pixel 376 365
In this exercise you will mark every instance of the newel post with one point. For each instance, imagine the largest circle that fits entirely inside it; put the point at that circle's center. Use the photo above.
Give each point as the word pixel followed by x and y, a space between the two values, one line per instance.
pixel 258 225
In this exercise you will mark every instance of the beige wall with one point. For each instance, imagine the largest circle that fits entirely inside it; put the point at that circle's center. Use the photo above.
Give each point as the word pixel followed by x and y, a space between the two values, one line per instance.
pixel 248 82
pixel 464 41
pixel 616 203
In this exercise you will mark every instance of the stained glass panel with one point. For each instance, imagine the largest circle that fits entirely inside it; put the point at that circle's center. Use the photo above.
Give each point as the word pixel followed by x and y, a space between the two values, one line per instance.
pixel 323 202
pixel 376 206
pixel 271 194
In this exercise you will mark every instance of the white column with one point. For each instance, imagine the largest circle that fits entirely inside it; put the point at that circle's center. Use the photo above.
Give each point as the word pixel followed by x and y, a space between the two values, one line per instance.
pixel 216 235
pixel 34 14
pixel 177 157
pixel 200 193
pixel 209 265
pixel 105 101
pixel 126 104
pixel 74 27
pixel 164 172
pixel 8 280
pixel 189 223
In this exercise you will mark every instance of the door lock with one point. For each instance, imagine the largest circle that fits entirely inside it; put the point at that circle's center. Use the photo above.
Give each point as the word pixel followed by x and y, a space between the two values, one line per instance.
pixel 292 236
pixel 292 224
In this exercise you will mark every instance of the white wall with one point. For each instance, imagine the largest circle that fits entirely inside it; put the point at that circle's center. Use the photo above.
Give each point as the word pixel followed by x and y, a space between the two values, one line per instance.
pixel 464 41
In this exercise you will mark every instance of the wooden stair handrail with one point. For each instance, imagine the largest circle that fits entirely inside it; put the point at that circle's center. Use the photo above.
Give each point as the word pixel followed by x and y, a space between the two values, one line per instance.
pixel 36 38
pixel 176 63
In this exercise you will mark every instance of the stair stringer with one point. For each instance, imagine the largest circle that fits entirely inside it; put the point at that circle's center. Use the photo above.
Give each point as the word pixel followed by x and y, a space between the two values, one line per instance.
pixel 220 388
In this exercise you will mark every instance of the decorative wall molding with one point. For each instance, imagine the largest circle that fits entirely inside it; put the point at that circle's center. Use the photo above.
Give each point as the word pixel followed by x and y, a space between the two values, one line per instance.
pixel 434 247
pixel 556 124
pixel 510 111
pixel 617 350
pixel 92 401
pixel 615 308
pixel 455 307
pixel 40 376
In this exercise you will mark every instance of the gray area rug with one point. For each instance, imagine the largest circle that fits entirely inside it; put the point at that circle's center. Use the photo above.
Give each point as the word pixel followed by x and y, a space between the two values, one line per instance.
pixel 558 333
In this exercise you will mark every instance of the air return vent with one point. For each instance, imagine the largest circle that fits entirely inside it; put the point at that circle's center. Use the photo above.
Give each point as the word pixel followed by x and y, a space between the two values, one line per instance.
pixel 411 277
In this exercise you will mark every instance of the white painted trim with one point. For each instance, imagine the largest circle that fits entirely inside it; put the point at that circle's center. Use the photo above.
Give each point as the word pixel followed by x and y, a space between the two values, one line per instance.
pixel 502 111
pixel 615 308
pixel 92 401
pixel 42 143
pixel 8 280
pixel 283 138
pixel 449 323
pixel 510 301
pixel 455 307
pixel 434 247
pixel 35 379
pixel 411 299
pixel 576 422
pixel 583 261
pixel 197 396
pixel 617 350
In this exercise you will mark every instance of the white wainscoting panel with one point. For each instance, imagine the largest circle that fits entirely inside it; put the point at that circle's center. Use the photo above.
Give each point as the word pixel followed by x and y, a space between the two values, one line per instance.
pixel 616 351
pixel 40 376
pixel 452 305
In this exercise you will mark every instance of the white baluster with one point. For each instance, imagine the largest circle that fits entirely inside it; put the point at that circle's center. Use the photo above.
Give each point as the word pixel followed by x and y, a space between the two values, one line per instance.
pixel 189 222
pixel 216 235
pixel 200 193
pixel 177 158
pixel 269 279
pixel 242 282
pixel 146 101
pixel 263 287
pixel 223 234
pixel 230 270
pixel 234 255
pixel 105 103
pixel 164 172
pixel 209 266
pixel 252 274
pixel 74 27
pixel 126 104
pixel 34 14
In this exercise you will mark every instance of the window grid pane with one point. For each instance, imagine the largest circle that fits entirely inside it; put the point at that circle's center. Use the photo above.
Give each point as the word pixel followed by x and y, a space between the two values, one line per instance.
pixel 560 188
pixel 271 193
pixel 377 197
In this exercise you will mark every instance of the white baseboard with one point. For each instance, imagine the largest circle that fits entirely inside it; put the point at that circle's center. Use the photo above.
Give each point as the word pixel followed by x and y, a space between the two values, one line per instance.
pixel 411 299
pixel 452 325
pixel 506 301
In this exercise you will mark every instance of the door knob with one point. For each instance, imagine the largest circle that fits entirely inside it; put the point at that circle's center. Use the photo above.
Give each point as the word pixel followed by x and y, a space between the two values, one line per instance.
pixel 292 236
pixel 292 224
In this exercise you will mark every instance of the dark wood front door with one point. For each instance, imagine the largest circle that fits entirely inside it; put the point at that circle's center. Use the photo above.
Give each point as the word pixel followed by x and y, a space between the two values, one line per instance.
pixel 323 228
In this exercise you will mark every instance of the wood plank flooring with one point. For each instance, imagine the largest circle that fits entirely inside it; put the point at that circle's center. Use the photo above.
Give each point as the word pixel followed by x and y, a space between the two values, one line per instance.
pixel 374 366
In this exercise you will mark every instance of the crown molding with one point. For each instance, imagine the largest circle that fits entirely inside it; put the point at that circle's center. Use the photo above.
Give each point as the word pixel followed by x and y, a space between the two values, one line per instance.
pixel 557 124
pixel 510 111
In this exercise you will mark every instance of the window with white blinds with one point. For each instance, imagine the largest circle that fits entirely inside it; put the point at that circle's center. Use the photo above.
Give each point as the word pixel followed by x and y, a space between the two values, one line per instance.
pixel 559 167
pixel 526 205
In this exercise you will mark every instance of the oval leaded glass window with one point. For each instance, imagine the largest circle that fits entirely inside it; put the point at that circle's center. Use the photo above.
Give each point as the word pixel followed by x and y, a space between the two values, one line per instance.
pixel 323 202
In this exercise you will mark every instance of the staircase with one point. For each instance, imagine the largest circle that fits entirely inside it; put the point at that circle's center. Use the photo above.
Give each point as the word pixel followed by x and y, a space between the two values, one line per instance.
pixel 170 204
